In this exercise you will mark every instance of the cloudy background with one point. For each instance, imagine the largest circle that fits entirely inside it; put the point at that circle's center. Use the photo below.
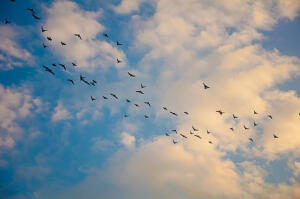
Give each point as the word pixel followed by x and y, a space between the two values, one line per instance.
pixel 56 143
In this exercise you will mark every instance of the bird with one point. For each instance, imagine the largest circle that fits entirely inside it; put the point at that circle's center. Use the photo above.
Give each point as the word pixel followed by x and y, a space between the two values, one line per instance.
pixel 83 80
pixel 119 44
pixel 246 128
pixel 63 43
pixel 63 66
pixel 49 38
pixel 173 113
pixel 31 10
pixel 105 35
pixel 232 129
pixel 143 86
pixel 186 113
pixel 146 116
pixel 78 35
pixel 251 139
pixel 270 116
pixel 205 86
pixel 220 112
pixel 139 91
pixel 136 105
pixel 210 142
pixel 12 0
pixel 131 75
pixel 35 17
pixel 191 133
pixel 43 30
pixel 194 128
pixel 70 80
pixel 234 117
pixel 125 115
pixel 148 103
pixel 198 136
pixel 183 135
pixel 44 45
pixel 208 132
pixel 128 101
pixel 74 64
pixel 275 136
pixel 174 130
pixel 119 61
pixel 94 81
pixel 92 98
pixel 53 65
pixel 104 97
pixel 255 113
pixel 167 134
pixel 165 108
pixel 6 21
pixel 254 124
pixel 114 96
pixel 174 142
pixel 48 70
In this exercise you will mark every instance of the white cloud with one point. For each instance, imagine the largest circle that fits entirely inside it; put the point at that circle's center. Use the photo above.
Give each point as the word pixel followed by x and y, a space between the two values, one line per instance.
pixel 11 53
pixel 60 113
pixel 128 140
pixel 66 18
pixel 127 6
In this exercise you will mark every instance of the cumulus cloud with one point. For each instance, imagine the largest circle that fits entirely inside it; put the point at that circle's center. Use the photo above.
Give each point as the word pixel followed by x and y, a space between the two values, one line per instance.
pixel 66 18
pixel 60 113
pixel 11 53
pixel 15 105
pixel 127 6
pixel 128 140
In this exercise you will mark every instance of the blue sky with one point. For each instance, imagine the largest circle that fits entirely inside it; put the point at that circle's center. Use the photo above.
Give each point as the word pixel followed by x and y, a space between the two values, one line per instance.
pixel 56 143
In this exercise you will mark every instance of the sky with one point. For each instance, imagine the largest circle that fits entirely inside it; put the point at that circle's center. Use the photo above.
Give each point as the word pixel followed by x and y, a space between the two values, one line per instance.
pixel 55 142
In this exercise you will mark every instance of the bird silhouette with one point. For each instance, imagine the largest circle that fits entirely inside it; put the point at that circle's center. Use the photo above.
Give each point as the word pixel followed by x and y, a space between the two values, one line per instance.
pixel 12 0
pixel 74 64
pixel 6 21
pixel 183 135
pixel 220 112
pixel 49 38
pixel 139 91
pixel 191 133
pixel 232 129
pixel 63 66
pixel 63 43
pixel 44 45
pixel 70 80
pixel 131 75
pixel 270 116
pixel 194 128
pixel 146 116
pixel 175 131
pixel 128 101
pixel 186 113
pixel 174 142
pixel 31 10
pixel 78 35
pixel 210 142
pixel 82 78
pixel 167 134
pixel 136 105
pixel 143 86
pixel 104 97
pixel 246 128
pixel 92 98
pixel 119 61
pixel 165 108
pixel 105 35
pixel 208 132
pixel 119 44
pixel 251 139
pixel 198 136
pixel 148 103
pixel 173 113
pixel 48 70
pixel 205 86
pixel 125 115
pixel 53 65
pixel 234 117
pixel 275 136
pixel 35 16
pixel 43 30
pixel 255 124
pixel 114 96
pixel 255 113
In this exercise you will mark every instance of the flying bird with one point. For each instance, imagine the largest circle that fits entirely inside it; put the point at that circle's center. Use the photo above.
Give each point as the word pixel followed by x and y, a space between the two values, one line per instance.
pixel 63 66
pixel 220 112
pixel 255 113
pixel 232 129
pixel 275 136
pixel 198 136
pixel 119 44
pixel 31 10
pixel 191 133
pixel 6 21
pixel 131 75
pixel 251 139
pixel 70 80
pixel 35 17
pixel 173 113
pixel 174 142
pixel 210 142
pixel 92 98
pixel 142 86
pixel 63 43
pixel 167 134
pixel 12 0
pixel 234 117
pixel 82 78
pixel 136 105
pixel 270 116
pixel 43 30
pixel 254 124
pixel 53 65
pixel 194 128
pixel 183 135
pixel 74 64
pixel 119 61
pixel 148 103
pixel 165 108
pixel 146 116
pixel 127 100
pixel 246 128
pixel 208 132
pixel 48 70
pixel 205 86
pixel 125 115
pixel 78 35
pixel 104 97
pixel 174 130
pixel 186 113
pixel 105 35
pixel 49 38
pixel 114 96
pixel 44 45
pixel 139 91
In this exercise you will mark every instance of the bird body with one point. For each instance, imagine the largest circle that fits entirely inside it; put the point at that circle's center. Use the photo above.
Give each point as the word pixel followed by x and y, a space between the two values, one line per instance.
pixel 148 103
pixel 119 61
pixel 142 86
pixel 92 98
pixel 205 86
pixel 146 116
pixel 131 75
pixel 186 113
pixel 220 112
pixel 70 80
pixel 43 30
pixel 234 117
pixel 173 113
pixel 246 128
pixel 183 135
pixel 104 97
pixel 275 136
pixel 174 142
pixel 198 136
pixel 139 91
pixel 165 108
pixel 114 96
pixel 128 101
pixel 63 66
pixel 63 43
pixel 119 44
pixel 48 70
pixel 78 35
pixel 194 128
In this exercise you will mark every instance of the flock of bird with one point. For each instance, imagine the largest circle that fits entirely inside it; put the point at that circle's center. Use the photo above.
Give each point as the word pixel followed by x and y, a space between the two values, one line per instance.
pixel 193 132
